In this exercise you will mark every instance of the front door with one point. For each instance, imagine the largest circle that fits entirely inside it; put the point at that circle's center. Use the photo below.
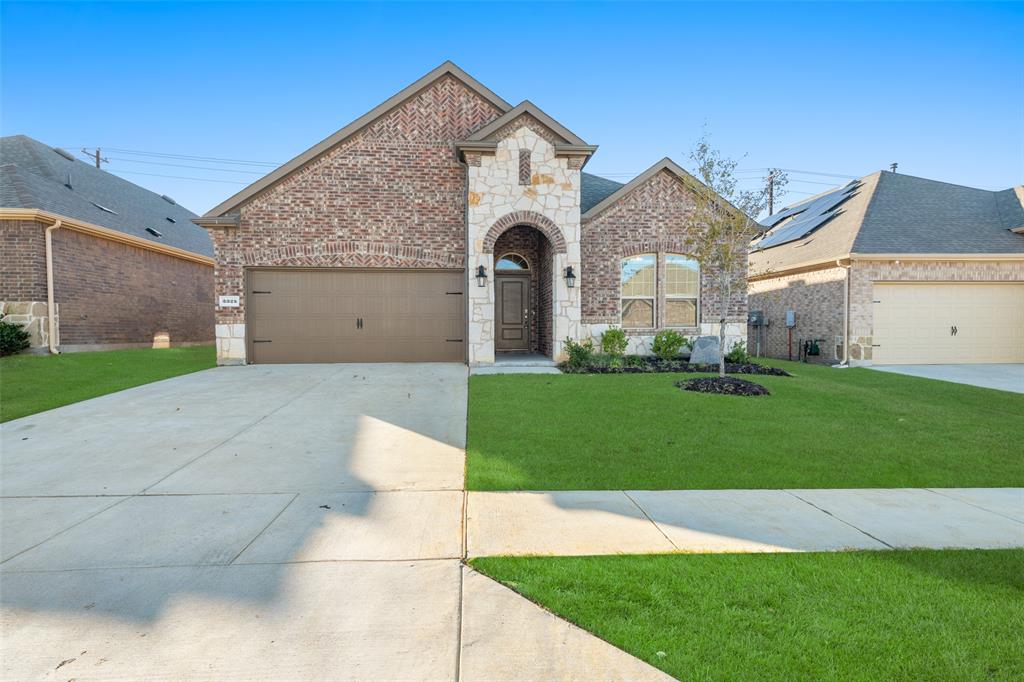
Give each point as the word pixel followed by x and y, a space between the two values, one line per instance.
pixel 512 312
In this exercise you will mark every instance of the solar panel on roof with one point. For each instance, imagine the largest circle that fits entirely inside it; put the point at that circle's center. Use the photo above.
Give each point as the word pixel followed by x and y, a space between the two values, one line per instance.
pixel 812 215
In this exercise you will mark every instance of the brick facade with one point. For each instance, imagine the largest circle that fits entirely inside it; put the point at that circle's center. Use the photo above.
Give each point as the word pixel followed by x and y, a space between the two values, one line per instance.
pixel 656 217
pixel 815 297
pixel 108 293
pixel 392 195
pixel 22 261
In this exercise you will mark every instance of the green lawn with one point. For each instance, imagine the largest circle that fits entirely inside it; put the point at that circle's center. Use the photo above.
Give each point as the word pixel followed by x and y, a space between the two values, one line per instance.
pixel 888 615
pixel 33 383
pixel 823 427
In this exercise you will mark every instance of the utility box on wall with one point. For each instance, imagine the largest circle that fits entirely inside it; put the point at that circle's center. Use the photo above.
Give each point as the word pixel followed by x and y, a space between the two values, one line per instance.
pixel 790 318
pixel 755 318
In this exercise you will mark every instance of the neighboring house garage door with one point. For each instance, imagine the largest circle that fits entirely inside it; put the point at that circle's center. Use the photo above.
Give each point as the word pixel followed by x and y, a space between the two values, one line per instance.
pixel 341 315
pixel 941 323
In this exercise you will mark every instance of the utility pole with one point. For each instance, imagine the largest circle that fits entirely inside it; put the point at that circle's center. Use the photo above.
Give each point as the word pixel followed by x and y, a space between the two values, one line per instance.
pixel 893 166
pixel 95 156
pixel 771 192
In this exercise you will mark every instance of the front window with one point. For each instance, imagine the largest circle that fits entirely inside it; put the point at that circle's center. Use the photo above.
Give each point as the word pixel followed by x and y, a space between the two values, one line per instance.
pixel 638 287
pixel 512 261
pixel 682 286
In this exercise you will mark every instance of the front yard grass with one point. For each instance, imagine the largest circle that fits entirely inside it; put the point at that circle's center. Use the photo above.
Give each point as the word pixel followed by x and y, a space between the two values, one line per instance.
pixel 885 615
pixel 821 428
pixel 34 383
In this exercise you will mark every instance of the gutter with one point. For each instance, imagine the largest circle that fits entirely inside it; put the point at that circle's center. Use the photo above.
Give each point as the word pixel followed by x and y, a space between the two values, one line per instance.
pixel 51 307
pixel 846 313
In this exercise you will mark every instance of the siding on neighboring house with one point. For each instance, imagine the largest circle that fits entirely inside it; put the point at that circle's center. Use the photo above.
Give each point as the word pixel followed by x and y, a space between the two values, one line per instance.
pixel 392 195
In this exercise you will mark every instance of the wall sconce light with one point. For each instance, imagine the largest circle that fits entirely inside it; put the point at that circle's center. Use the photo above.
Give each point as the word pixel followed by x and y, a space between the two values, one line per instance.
pixel 570 277
pixel 481 276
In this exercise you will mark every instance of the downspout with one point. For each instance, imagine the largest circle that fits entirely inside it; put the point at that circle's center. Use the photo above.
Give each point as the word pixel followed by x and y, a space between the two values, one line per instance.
pixel 51 307
pixel 846 315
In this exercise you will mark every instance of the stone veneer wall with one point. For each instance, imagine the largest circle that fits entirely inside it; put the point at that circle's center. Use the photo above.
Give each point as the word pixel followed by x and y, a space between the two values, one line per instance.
pixel 656 217
pixel 865 273
pixel 391 195
pixel 816 297
pixel 550 202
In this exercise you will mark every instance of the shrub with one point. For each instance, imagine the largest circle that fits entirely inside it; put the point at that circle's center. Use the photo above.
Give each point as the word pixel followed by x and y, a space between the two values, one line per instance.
pixel 614 342
pixel 667 343
pixel 634 361
pixel 13 338
pixel 579 354
pixel 738 354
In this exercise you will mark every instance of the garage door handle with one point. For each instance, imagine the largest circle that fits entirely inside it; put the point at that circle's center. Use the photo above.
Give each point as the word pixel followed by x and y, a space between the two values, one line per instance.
pixel 261 292
pixel 262 341
pixel 454 340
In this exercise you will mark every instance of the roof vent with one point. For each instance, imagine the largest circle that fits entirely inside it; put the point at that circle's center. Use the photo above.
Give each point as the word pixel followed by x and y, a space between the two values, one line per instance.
pixel 65 153
pixel 155 233
pixel 67 181
pixel 103 208
pixel 170 219
pixel 168 199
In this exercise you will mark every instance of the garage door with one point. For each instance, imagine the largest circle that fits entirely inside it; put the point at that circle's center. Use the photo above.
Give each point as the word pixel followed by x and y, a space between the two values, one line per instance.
pixel 355 316
pixel 937 323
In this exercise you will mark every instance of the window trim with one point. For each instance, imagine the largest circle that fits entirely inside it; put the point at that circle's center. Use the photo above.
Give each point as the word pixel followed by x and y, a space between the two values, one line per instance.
pixel 653 298
pixel 678 297
pixel 503 256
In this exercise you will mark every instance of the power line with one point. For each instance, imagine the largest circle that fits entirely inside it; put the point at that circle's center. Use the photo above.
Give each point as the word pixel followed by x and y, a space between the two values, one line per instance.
pixel 189 157
pixel 182 165
pixel 182 177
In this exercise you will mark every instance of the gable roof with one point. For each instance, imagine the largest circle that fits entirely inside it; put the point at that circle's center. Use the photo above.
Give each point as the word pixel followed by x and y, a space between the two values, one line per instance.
pixel 445 69
pixel 666 164
pixel 595 189
pixel 893 213
pixel 34 176
pixel 526 107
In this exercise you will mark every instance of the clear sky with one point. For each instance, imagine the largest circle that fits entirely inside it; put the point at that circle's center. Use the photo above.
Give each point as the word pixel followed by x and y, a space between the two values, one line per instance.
pixel 828 88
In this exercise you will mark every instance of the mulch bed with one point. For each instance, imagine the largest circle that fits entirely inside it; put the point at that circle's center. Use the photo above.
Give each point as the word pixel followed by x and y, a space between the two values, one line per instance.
pixel 657 365
pixel 723 386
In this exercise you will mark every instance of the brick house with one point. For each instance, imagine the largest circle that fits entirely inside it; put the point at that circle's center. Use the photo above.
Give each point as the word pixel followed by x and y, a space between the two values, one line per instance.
pixel 122 266
pixel 893 269
pixel 446 224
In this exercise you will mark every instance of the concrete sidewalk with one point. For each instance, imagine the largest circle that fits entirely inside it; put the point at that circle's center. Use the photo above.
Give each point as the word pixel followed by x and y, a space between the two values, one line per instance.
pixel 625 522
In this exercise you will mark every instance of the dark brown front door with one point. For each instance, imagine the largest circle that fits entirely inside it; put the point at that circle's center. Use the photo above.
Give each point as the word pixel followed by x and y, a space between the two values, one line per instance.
pixel 349 315
pixel 512 300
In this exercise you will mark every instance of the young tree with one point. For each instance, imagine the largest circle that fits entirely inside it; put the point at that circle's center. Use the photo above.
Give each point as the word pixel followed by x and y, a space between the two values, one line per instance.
pixel 726 215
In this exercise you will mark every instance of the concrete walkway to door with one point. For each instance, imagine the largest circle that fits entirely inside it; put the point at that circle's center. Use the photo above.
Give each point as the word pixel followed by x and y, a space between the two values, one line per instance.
pixel 262 523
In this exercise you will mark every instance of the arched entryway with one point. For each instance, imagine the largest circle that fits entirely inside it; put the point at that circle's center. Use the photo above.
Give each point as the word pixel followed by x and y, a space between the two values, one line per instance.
pixel 523 261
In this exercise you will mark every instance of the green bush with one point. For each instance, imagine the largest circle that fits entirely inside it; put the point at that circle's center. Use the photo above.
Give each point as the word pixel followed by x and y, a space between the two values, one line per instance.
pixel 634 361
pixel 738 354
pixel 667 343
pixel 614 342
pixel 579 354
pixel 13 338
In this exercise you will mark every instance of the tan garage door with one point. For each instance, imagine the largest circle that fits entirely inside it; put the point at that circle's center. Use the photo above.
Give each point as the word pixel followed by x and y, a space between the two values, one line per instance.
pixel 355 316
pixel 939 323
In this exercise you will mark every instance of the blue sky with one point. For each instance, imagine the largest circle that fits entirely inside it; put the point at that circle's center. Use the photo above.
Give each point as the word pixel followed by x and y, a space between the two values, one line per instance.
pixel 829 88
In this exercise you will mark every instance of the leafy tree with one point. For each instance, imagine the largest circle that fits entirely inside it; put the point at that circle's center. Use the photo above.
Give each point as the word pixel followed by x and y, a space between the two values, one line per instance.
pixel 725 214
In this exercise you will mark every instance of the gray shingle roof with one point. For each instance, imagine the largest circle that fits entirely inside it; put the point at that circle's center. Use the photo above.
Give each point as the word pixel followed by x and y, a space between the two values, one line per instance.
pixel 595 189
pixel 896 213
pixel 915 215
pixel 34 176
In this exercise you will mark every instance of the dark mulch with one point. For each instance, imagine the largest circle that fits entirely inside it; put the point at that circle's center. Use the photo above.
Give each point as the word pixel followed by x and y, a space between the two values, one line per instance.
pixel 723 386
pixel 646 365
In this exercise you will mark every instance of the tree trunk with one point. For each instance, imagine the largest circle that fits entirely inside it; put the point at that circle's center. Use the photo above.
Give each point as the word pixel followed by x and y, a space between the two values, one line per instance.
pixel 726 295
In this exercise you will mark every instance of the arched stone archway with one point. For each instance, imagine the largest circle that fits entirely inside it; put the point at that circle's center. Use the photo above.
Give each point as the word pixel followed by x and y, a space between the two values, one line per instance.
pixel 535 220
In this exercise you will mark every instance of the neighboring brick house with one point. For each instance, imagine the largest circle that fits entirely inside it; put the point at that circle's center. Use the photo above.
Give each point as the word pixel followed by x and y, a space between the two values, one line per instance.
pixel 896 270
pixel 446 224
pixel 128 267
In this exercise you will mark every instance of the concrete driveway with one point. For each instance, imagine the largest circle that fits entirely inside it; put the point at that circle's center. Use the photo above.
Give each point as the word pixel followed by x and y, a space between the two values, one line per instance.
pixel 264 522
pixel 1000 377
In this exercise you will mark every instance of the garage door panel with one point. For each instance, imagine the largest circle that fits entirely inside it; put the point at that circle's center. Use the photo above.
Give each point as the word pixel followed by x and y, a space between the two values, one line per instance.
pixel 914 323
pixel 313 316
